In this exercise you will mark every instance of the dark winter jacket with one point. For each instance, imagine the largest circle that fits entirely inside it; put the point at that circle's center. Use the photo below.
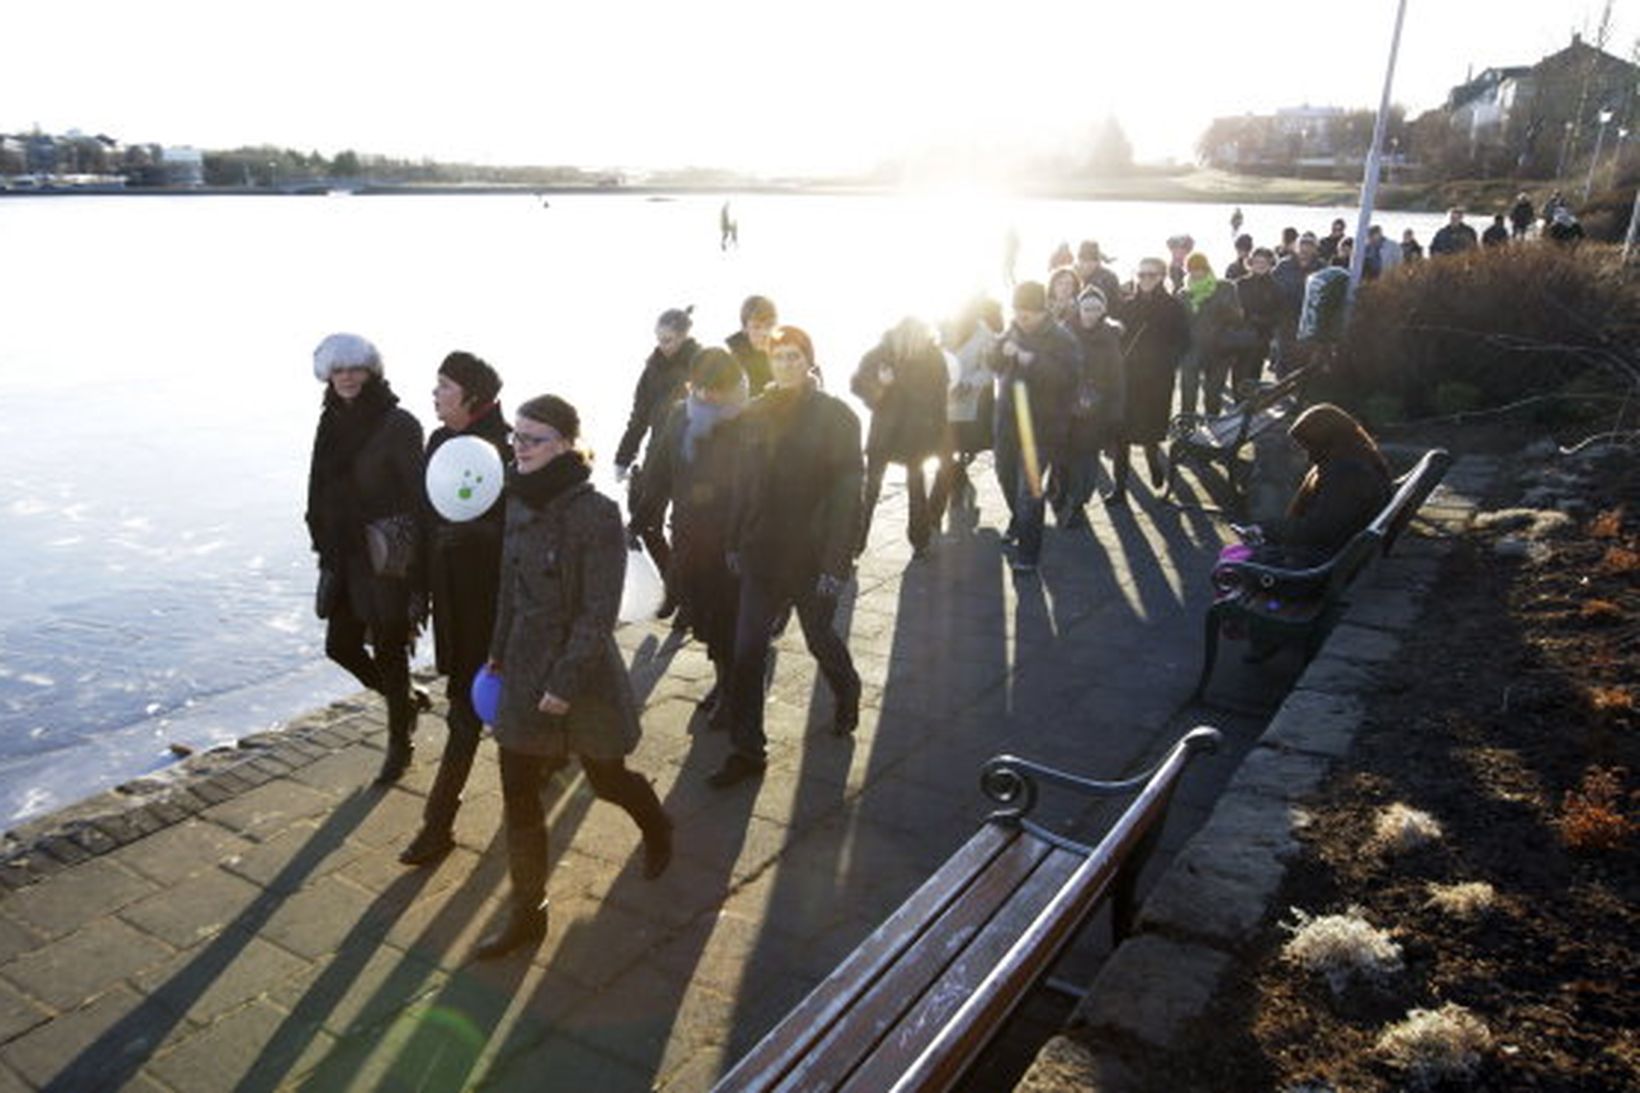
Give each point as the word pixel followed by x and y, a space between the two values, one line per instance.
pixel 796 509
pixel 1156 335
pixel 1521 216
pixel 698 484
pixel 366 465
pixel 907 411
pixel 659 389
pixel 1338 498
pixel 1261 304
pixel 1101 393
pixel 1453 239
pixel 1050 385
pixel 563 565
pixel 1496 235
pixel 464 563
pixel 1289 275
pixel 753 361
pixel 1213 325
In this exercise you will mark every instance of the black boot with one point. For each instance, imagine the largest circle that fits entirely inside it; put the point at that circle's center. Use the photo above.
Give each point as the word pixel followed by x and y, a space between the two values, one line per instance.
pixel 527 919
pixel 436 839
pixel 1119 466
pixel 401 726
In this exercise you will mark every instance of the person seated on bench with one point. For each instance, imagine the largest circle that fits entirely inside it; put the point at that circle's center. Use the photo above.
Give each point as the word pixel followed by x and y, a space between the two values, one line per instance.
pixel 1347 484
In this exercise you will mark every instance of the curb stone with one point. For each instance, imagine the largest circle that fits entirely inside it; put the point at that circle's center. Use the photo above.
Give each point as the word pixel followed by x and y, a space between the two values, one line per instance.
pixel 1217 890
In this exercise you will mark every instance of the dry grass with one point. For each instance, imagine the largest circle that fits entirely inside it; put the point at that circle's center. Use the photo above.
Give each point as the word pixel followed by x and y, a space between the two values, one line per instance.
pixel 1595 816
pixel 1611 700
pixel 1466 901
pixel 1600 611
pixel 1620 559
pixel 1608 525
pixel 1434 1046
pixel 1341 947
pixel 1400 828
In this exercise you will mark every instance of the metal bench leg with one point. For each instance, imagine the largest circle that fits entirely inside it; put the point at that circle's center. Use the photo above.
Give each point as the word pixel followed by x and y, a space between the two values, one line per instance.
pixel 1210 653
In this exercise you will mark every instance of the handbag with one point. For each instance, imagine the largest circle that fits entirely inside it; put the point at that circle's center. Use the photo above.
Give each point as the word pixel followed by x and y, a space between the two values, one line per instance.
pixel 391 543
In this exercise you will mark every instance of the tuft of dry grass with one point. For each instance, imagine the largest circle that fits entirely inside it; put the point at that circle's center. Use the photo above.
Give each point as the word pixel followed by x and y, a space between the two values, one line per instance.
pixel 1611 700
pixel 1401 827
pixel 1600 611
pixel 1594 816
pixel 1435 1046
pixel 1620 559
pixel 1340 947
pixel 1608 525
pixel 1468 900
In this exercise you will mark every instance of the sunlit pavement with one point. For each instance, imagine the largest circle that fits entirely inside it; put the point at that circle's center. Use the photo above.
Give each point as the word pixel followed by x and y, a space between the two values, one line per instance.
pixel 272 940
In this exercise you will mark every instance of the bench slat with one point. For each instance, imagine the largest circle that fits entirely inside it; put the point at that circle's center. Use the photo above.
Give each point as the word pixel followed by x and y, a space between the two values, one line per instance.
pixel 875 1012
pixel 922 1022
pixel 787 1042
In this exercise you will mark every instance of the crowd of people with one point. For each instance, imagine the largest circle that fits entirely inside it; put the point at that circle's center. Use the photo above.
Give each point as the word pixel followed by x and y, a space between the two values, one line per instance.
pixel 750 487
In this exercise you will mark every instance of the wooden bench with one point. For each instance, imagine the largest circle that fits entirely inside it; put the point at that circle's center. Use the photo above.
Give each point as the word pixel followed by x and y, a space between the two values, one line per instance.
pixel 1278 606
pixel 1201 441
pixel 916 1002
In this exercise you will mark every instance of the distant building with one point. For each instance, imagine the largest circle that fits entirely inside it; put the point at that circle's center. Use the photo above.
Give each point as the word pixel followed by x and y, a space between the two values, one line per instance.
pixel 183 166
pixel 1533 120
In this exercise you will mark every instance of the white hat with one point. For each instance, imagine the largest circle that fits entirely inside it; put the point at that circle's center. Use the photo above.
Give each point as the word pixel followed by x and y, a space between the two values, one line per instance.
pixel 345 351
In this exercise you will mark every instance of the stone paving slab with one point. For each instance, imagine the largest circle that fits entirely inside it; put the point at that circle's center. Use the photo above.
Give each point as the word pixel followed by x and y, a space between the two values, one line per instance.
pixel 247 926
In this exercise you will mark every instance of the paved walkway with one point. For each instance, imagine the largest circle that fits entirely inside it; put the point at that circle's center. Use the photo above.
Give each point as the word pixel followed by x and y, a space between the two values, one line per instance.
pixel 264 936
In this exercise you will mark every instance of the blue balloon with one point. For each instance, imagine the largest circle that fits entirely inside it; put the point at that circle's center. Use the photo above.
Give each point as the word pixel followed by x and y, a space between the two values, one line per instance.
pixel 486 694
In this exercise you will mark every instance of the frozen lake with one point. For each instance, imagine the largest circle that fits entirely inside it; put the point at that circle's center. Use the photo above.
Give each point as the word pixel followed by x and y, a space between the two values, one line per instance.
pixel 159 402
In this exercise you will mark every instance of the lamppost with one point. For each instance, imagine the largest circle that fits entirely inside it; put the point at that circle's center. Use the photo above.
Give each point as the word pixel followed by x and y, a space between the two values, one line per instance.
pixel 1604 117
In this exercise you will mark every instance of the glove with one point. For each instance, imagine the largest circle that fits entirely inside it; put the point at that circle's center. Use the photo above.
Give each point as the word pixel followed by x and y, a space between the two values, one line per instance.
pixel 622 472
pixel 829 587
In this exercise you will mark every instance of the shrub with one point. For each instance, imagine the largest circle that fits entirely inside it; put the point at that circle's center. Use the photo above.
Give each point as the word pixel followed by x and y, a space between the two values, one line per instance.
pixel 1455 397
pixel 1434 1046
pixel 1506 322
pixel 1340 947
pixel 1594 816
pixel 1400 828
pixel 1466 901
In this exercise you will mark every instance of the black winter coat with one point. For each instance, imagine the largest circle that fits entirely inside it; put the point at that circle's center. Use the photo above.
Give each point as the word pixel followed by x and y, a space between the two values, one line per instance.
pixel 1156 336
pixel 659 389
pixel 1261 303
pixel 753 361
pixel 1453 239
pixel 464 563
pixel 1050 386
pixel 1101 392
pixel 907 413
pixel 366 465
pixel 796 509
pixel 700 489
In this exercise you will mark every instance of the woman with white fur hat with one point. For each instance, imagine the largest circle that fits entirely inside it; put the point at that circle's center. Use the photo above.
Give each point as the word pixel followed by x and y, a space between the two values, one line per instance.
pixel 364 494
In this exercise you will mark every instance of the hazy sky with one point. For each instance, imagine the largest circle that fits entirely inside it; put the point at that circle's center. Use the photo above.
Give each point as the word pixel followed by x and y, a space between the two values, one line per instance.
pixel 775 86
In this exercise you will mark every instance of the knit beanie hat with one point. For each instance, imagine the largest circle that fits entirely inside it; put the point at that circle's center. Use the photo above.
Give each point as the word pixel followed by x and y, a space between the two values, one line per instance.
pixel 677 318
pixel 1092 292
pixel 479 382
pixel 345 351
pixel 1198 263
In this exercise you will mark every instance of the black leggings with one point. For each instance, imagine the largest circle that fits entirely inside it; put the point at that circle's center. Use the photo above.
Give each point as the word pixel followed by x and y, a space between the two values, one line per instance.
pixel 383 667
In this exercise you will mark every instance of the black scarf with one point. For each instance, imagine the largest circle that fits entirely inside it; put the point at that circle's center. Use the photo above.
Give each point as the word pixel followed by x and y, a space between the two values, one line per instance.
pixel 538 488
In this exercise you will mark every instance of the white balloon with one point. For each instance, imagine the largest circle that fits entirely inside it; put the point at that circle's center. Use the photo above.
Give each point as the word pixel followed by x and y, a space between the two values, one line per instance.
pixel 464 478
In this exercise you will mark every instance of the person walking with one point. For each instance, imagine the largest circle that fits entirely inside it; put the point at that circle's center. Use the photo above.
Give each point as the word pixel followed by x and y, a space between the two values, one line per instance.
pixel 794 522
pixel 463 576
pixel 1155 337
pixel 903 381
pixel 971 402
pixel 1261 305
pixel 692 469
pixel 363 505
pixel 564 687
pixel 1521 216
pixel 750 344
pixel 1290 274
pixel 1096 417
pixel 660 386
pixel 1037 363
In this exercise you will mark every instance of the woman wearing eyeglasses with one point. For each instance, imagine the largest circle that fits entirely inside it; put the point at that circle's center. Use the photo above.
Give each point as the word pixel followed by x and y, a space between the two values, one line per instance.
pixel 564 687
pixel 1155 338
